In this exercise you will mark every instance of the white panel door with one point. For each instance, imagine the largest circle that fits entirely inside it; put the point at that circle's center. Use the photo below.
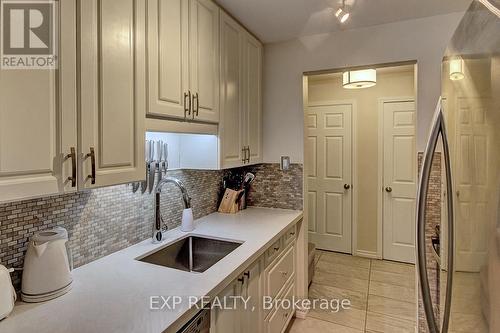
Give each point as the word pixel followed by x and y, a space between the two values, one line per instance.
pixel 204 60
pixel 113 91
pixel 168 59
pixel 471 184
pixel 329 176
pixel 252 97
pixel 38 121
pixel 231 120
pixel 400 178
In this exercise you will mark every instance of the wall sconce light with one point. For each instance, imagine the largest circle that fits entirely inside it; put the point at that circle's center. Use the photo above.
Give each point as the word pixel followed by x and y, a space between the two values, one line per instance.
pixel 456 69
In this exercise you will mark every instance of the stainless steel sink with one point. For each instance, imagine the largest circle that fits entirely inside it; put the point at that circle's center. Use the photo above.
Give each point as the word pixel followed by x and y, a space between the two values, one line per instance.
pixel 192 253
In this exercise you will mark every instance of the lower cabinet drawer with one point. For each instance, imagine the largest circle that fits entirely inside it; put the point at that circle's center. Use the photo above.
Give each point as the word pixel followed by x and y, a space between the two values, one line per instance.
pixel 273 252
pixel 278 320
pixel 289 235
pixel 280 273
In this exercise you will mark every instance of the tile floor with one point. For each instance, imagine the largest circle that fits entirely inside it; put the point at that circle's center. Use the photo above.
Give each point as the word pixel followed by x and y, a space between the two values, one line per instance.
pixel 382 295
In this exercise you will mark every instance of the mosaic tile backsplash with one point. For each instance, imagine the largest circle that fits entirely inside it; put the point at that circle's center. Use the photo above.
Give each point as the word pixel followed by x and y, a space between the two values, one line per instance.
pixel 276 188
pixel 106 220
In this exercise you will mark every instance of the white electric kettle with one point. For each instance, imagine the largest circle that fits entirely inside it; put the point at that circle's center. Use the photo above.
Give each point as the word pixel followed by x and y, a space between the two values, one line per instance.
pixel 7 293
pixel 47 270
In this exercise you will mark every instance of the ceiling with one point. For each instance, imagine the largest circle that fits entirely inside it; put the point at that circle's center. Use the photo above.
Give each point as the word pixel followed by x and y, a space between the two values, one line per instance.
pixel 279 20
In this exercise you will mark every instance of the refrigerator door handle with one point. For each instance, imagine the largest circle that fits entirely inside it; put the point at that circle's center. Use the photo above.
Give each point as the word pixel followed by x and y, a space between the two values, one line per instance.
pixel 438 127
pixel 451 225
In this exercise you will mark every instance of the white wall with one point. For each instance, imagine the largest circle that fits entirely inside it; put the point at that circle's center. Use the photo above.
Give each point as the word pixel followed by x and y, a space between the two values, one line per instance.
pixel 423 40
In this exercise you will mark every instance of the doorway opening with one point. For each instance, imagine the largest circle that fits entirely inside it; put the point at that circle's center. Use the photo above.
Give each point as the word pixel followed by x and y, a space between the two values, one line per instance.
pixel 360 162
pixel 360 176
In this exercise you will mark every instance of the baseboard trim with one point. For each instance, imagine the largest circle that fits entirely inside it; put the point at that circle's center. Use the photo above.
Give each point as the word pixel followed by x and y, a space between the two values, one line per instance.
pixel 301 313
pixel 367 254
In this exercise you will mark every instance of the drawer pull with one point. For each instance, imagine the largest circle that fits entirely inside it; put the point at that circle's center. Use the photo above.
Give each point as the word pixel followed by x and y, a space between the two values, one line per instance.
pixel 292 233
pixel 276 248
pixel 247 274
pixel 242 280
pixel 284 273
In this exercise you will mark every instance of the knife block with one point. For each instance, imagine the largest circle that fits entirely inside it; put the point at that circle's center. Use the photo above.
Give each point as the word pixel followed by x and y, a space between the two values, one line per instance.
pixel 228 204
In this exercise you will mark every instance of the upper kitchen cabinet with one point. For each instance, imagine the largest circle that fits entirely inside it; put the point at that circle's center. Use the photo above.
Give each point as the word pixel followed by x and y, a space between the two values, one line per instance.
pixel 112 87
pixel 252 98
pixel 240 127
pixel 183 60
pixel 204 60
pixel 231 121
pixel 38 121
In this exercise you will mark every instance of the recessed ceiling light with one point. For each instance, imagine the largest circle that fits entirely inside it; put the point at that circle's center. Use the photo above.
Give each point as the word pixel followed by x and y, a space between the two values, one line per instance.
pixel 359 79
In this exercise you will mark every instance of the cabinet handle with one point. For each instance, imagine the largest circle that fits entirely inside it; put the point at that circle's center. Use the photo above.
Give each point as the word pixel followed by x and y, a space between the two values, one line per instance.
pixel 244 153
pixel 72 155
pixel 92 161
pixel 196 107
pixel 276 248
pixel 388 189
pixel 248 150
pixel 242 280
pixel 347 186
pixel 247 274
pixel 187 104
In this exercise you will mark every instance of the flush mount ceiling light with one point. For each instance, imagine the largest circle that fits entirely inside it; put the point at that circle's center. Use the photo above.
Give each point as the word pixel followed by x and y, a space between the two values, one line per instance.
pixel 360 79
pixel 456 69
pixel 342 14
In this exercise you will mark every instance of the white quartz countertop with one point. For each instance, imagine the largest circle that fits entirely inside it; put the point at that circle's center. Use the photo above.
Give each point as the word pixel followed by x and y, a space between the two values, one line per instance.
pixel 113 294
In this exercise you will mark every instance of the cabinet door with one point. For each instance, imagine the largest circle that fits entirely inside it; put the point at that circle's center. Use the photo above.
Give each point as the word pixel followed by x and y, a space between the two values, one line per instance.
pixel 231 119
pixel 168 59
pixel 252 317
pixel 226 320
pixel 252 97
pixel 112 91
pixel 204 60
pixel 38 121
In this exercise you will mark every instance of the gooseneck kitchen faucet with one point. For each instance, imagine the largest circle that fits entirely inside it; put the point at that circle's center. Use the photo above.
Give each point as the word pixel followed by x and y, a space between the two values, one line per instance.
pixel 157 229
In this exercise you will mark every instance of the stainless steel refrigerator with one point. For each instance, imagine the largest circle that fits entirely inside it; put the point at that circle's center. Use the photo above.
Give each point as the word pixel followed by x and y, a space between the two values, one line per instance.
pixel 463 293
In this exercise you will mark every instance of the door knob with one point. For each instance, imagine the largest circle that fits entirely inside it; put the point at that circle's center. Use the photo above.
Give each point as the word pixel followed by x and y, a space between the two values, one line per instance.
pixel 388 189
pixel 347 186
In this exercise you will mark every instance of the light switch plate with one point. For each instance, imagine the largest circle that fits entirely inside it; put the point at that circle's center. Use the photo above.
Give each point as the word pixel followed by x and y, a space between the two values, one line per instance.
pixel 285 163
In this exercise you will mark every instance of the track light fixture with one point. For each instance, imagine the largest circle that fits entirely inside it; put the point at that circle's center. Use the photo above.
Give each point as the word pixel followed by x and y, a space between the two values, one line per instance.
pixel 342 14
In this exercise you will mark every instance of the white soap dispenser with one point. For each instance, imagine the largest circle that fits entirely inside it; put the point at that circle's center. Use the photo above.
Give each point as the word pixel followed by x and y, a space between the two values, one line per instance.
pixel 187 224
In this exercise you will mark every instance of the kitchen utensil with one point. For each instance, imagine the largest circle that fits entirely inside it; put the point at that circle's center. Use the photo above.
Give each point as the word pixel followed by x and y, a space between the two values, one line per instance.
pixel 7 293
pixel 147 153
pixel 152 168
pixel 47 269
pixel 249 178
pixel 159 165
pixel 165 157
